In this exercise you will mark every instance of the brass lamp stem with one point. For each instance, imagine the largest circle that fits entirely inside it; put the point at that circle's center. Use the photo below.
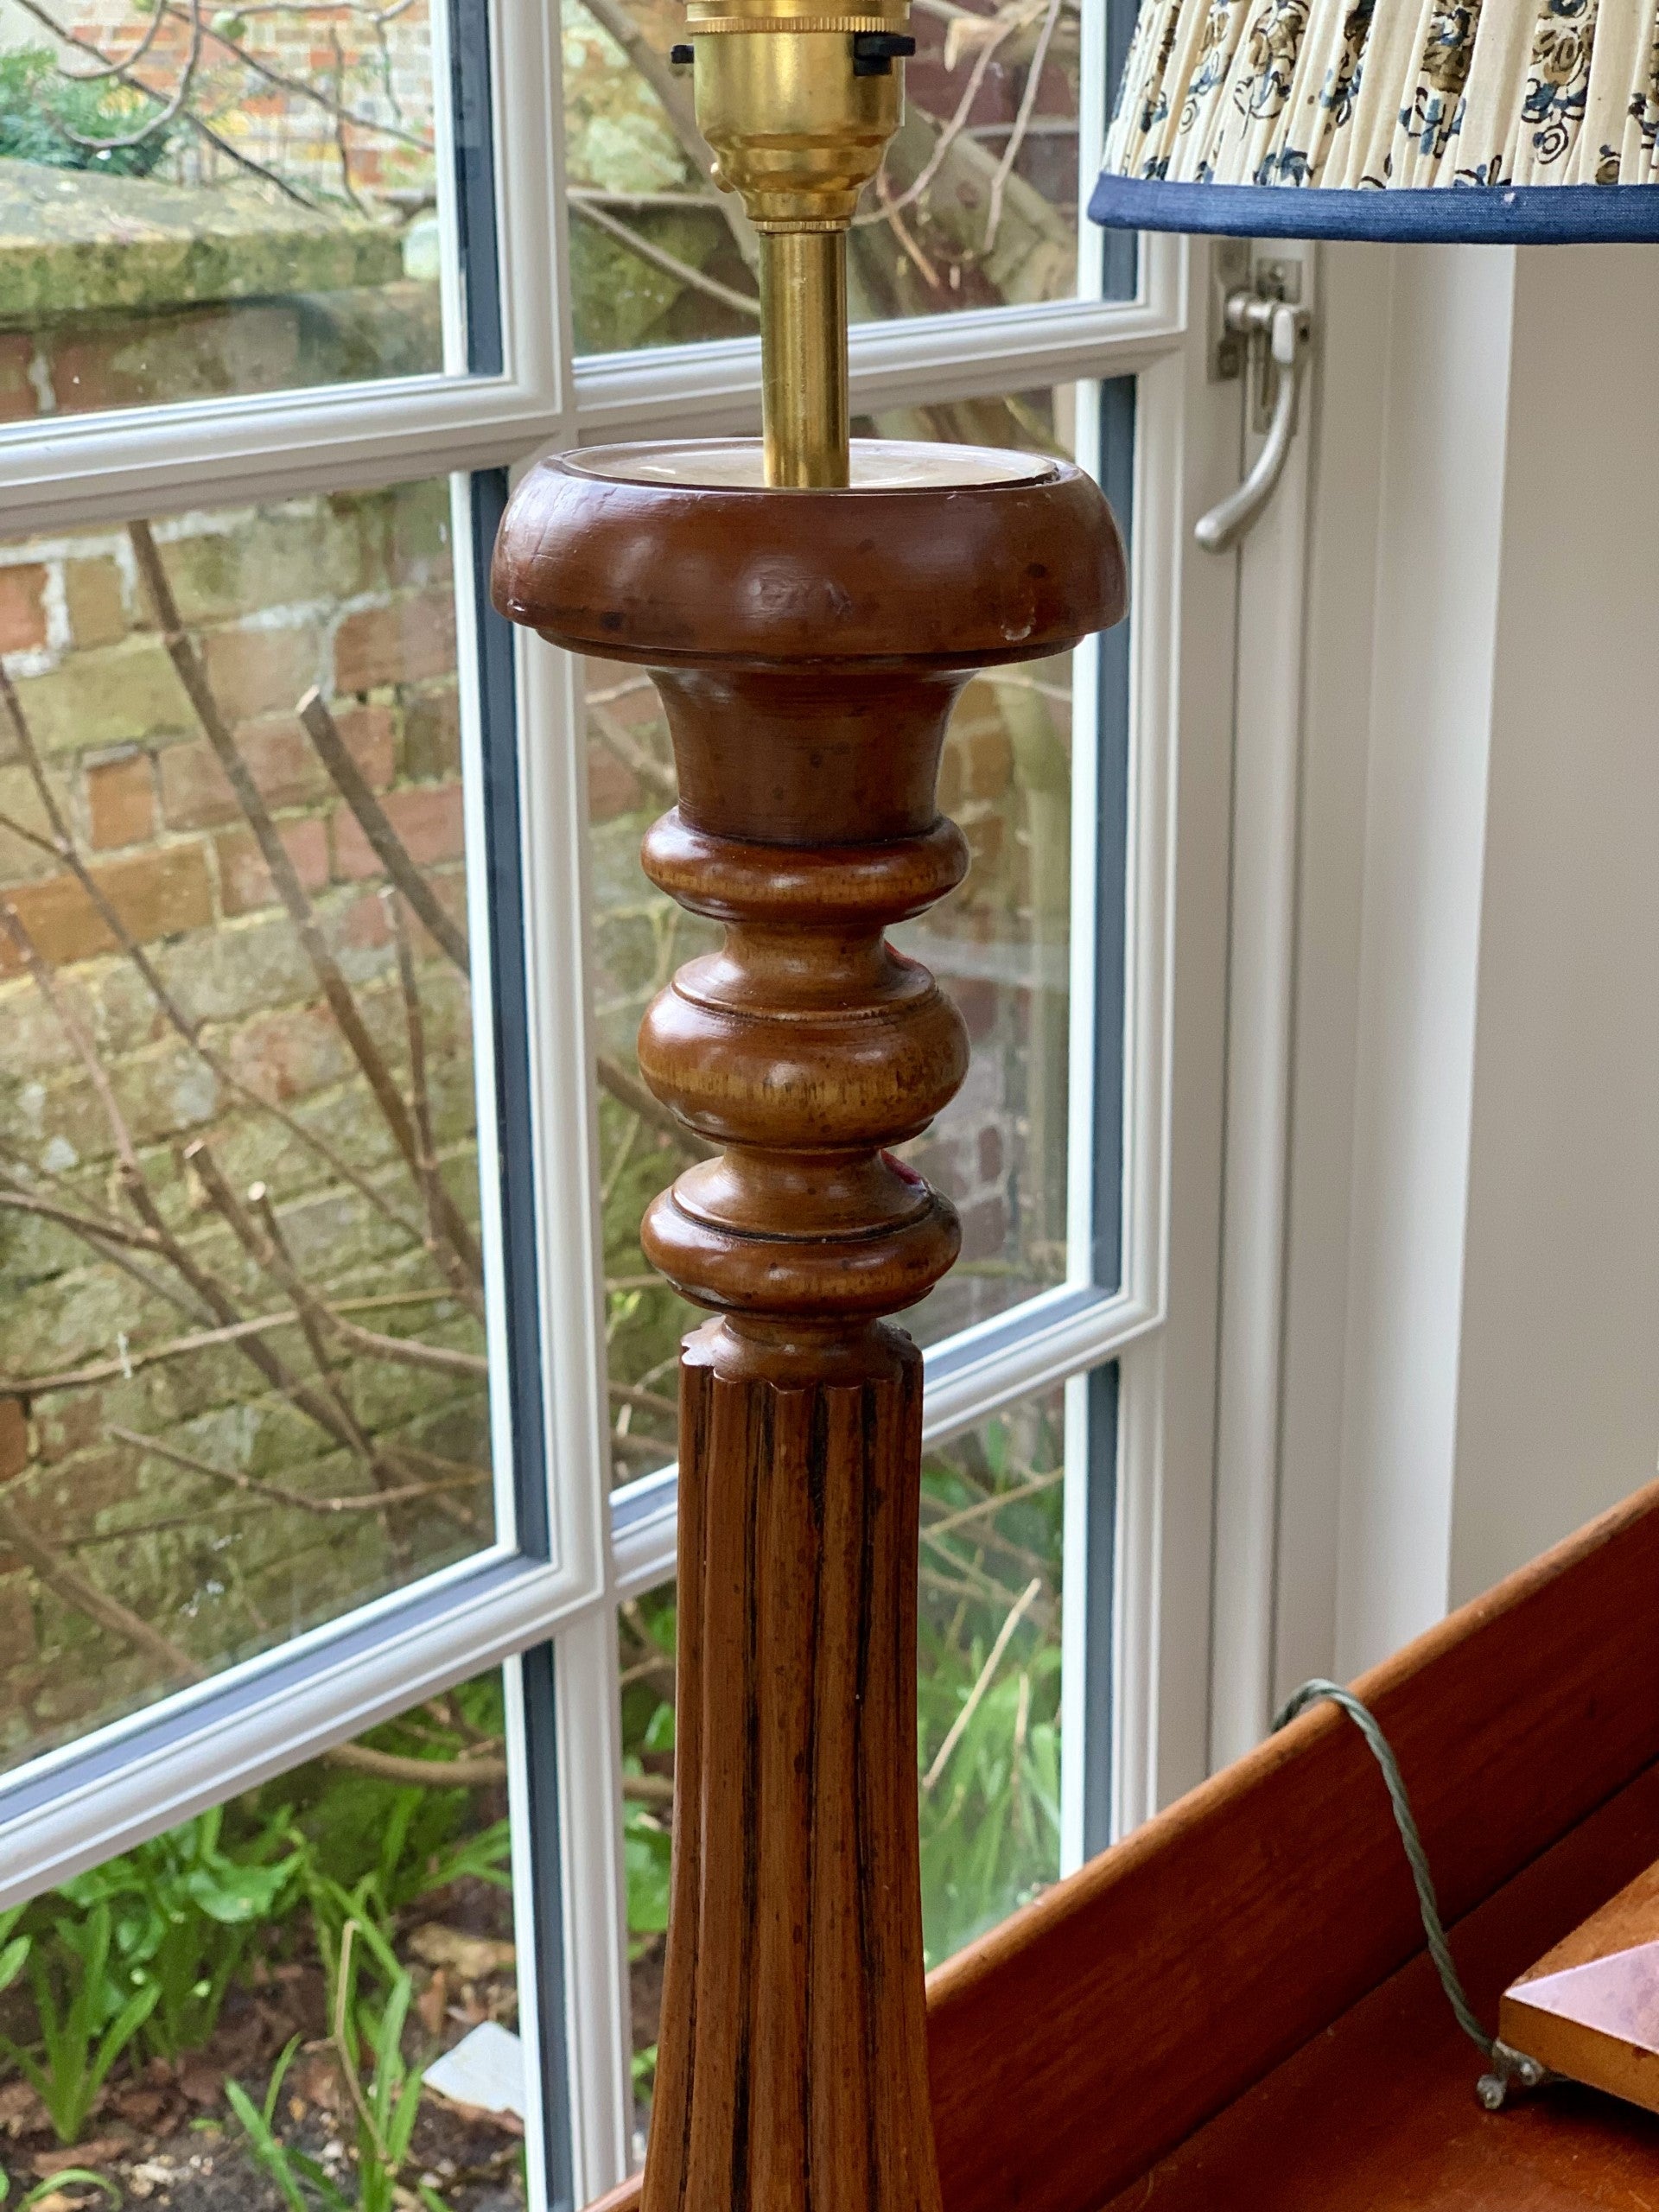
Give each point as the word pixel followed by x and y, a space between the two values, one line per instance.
pixel 804 357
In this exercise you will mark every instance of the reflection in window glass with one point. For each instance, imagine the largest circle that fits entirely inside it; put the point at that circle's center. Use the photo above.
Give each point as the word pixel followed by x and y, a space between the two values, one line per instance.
pixel 999 943
pixel 242 1355
pixel 975 205
pixel 234 202
pixel 270 1980
pixel 988 1684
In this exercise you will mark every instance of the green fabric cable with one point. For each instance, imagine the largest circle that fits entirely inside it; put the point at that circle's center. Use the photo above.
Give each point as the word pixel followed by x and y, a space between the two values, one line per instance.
pixel 1317 1693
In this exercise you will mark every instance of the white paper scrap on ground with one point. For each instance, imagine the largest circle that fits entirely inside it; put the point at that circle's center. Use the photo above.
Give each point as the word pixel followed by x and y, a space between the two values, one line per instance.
pixel 485 2070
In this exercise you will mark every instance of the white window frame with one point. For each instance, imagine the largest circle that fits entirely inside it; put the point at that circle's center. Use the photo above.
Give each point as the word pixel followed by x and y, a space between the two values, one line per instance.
pixel 136 1777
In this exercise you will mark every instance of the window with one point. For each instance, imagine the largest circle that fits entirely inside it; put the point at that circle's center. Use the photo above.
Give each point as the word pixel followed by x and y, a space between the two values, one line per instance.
pixel 336 1404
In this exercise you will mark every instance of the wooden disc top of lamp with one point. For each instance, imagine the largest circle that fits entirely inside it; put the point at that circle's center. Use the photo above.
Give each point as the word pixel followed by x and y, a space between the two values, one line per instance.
pixel 809 609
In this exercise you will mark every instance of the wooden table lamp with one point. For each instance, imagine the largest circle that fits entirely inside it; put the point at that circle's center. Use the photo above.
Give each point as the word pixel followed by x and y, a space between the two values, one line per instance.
pixel 809 611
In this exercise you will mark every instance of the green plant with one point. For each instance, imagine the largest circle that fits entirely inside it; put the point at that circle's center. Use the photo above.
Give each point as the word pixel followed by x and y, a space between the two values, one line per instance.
pixel 40 108
pixel 184 1910
pixel 989 1674
pixel 80 2042
pixel 385 1845
pixel 66 2176
pixel 14 1953
pixel 386 2105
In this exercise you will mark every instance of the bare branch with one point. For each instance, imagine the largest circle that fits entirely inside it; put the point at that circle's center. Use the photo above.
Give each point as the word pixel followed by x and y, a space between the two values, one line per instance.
pixel 993 1660
pixel 246 161
pixel 170 106
pixel 302 89
pixel 278 1493
pixel 678 104
pixel 388 847
pixel 1021 124
pixel 657 778
pixel 329 1406
pixel 414 1353
pixel 645 1401
pixel 629 1092
pixel 682 272
pixel 41 975
pixel 62 844
pixel 67 1584
pixel 641 203
pixel 118 68
pixel 949 133
pixel 87 1225
pixel 473 1773
pixel 341 1003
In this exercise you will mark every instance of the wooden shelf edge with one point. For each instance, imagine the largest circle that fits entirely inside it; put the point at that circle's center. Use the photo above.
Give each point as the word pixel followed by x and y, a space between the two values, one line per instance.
pixel 1109 2021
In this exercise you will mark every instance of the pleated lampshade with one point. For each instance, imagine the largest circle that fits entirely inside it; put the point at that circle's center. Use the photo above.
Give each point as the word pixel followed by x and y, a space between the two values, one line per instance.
pixel 1521 120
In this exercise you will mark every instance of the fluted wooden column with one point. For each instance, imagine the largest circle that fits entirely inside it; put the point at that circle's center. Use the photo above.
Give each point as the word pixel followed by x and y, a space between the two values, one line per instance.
pixel 808 647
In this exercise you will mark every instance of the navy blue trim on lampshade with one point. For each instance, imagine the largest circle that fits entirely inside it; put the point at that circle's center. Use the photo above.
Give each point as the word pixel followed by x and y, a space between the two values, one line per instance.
pixel 1534 215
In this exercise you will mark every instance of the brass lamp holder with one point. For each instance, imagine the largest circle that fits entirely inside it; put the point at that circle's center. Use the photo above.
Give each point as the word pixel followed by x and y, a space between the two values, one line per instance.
pixel 798 107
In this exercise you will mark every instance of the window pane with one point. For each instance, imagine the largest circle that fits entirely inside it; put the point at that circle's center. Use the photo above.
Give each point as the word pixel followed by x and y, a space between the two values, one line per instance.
pixel 250 204
pixel 1000 944
pixel 219 1958
pixel 975 205
pixel 242 1359
pixel 989 1681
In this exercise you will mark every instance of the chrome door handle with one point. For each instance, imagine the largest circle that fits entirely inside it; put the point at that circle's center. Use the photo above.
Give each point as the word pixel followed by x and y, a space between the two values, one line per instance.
pixel 1286 330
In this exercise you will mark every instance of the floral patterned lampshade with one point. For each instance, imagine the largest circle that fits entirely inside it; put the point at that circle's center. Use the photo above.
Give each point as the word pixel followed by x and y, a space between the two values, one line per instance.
pixel 1519 120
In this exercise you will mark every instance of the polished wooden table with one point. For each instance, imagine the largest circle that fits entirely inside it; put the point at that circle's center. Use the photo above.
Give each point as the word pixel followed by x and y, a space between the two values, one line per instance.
pixel 1232 2009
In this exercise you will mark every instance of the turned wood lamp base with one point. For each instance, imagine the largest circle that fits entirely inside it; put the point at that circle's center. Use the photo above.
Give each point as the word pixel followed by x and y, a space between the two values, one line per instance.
pixel 809 647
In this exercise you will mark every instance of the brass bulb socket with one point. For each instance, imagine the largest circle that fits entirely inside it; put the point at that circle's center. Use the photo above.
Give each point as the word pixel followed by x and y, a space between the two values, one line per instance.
pixel 792 129
pixel 797 126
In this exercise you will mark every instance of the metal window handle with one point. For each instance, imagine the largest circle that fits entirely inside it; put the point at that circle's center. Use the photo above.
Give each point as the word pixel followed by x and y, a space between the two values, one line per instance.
pixel 1286 329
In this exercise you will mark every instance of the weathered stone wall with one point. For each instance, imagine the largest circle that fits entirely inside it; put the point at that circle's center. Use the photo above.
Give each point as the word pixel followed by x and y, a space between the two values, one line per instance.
pixel 126 292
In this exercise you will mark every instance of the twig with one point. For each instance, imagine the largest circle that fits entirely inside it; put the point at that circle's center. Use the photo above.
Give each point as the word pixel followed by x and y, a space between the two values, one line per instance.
pixel 628 750
pixel 327 1408
pixel 342 1005
pixel 629 1092
pixel 120 1257
pixel 679 105
pixel 76 1378
pixel 115 68
pixel 63 845
pixel 170 105
pixel 72 1587
pixel 302 89
pixel 648 1788
pixel 97 1075
pixel 388 847
pixel 641 203
pixel 428 1774
pixel 1021 124
pixel 929 274
pixel 279 1493
pixel 645 1402
pixel 431 1186
pixel 994 1503
pixel 406 1352
pixel 993 1660
pixel 659 257
pixel 83 1224
pixel 246 161
pixel 949 132
pixel 340 146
